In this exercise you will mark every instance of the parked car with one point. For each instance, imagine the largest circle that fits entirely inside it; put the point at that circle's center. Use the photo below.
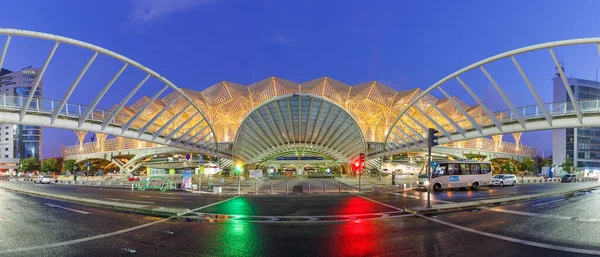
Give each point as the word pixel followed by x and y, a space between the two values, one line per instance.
pixel 569 178
pixel 42 179
pixel 504 179
pixel 133 178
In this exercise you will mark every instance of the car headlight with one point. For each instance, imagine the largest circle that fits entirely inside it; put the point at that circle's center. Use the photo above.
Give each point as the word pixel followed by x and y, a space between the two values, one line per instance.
pixel 426 183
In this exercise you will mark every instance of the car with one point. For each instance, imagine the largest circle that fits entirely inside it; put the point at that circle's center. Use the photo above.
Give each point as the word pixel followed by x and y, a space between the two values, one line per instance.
pixel 569 178
pixel 42 179
pixel 504 180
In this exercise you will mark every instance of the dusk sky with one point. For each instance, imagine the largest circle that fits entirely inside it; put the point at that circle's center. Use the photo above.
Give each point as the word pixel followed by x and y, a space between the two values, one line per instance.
pixel 403 44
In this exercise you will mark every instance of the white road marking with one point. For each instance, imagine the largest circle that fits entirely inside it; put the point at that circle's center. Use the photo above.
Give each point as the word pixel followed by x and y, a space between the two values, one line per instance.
pixel 533 214
pixel 515 240
pixel 384 204
pixel 65 208
pixel 133 201
pixel 551 202
pixel 86 239
pixel 157 197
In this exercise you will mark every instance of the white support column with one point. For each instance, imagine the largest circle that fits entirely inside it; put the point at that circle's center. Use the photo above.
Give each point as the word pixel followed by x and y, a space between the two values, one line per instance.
pixel 567 87
pixel 80 138
pixel 508 102
pixel 487 111
pixel 100 139
pixel 412 130
pixel 143 109
pixel 67 95
pixel 497 142
pixel 99 96
pixel 38 79
pixel 6 44
pixel 462 110
pixel 517 137
pixel 175 131
pixel 458 128
pixel 160 113
pixel 536 96
pixel 170 122
pixel 124 102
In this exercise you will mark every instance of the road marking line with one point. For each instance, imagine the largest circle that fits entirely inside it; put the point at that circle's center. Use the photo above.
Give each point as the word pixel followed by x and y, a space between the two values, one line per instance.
pixel 86 239
pixel 65 208
pixel 154 197
pixel 514 240
pixel 551 202
pixel 533 214
pixel 384 204
pixel 133 201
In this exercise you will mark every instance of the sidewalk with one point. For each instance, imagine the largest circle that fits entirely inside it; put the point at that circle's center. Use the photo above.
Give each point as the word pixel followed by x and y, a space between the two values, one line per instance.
pixel 450 207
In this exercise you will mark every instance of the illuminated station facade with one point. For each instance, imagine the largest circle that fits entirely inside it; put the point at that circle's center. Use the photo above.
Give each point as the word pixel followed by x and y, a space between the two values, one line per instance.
pixel 281 126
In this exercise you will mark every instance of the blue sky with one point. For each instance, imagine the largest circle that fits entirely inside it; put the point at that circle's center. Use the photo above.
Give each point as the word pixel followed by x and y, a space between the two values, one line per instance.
pixel 404 44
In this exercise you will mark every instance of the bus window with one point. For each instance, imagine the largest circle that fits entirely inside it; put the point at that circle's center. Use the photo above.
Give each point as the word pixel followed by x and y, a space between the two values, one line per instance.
pixel 485 168
pixel 475 168
pixel 465 168
pixel 440 170
pixel 453 169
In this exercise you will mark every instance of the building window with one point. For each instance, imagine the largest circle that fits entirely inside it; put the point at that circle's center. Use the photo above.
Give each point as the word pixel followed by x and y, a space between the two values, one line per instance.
pixel 6 156
pixel 6 139
pixel 5 149
pixel 5 133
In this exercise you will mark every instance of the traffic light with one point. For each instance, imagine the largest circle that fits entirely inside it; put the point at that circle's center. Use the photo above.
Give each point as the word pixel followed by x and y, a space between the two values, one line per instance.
pixel 432 137
pixel 238 168
pixel 361 160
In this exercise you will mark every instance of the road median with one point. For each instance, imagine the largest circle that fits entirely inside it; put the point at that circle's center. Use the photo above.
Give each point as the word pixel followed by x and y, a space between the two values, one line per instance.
pixel 453 207
pixel 159 211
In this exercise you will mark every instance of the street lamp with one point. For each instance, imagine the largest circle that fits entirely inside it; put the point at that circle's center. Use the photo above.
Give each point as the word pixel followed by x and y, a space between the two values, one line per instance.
pixel 238 170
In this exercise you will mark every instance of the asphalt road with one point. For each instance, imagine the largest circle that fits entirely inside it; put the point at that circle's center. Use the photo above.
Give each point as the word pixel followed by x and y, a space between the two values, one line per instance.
pixel 558 226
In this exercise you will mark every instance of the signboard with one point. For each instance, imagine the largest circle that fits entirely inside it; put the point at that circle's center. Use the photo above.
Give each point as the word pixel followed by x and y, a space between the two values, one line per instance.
pixel 300 158
pixel 454 178
pixel 256 173
pixel 186 179
pixel 152 171
pixel 187 157
pixel 211 169
pixel 200 159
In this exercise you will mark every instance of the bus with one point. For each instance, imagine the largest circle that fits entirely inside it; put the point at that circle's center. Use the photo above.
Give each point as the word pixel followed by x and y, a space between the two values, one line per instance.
pixel 457 174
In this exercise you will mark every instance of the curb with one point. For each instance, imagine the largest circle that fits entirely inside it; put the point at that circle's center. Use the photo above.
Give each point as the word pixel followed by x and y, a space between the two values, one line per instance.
pixel 158 211
pixel 454 207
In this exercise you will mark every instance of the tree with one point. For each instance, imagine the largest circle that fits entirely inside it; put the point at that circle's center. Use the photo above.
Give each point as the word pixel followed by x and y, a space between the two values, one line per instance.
pixel 69 165
pixel 50 165
pixel 567 165
pixel 30 164
pixel 526 164
pixel 506 167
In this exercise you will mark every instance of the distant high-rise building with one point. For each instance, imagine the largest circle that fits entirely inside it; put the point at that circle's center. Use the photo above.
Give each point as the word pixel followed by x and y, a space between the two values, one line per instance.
pixel 19 141
pixel 581 145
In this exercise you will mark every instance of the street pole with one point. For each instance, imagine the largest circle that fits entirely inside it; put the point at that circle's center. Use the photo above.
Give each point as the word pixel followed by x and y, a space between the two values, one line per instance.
pixel 359 175
pixel 239 179
pixel 429 177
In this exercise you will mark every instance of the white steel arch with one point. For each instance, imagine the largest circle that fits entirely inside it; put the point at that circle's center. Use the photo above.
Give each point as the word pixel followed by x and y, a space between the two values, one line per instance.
pixel 116 121
pixel 298 123
pixel 569 114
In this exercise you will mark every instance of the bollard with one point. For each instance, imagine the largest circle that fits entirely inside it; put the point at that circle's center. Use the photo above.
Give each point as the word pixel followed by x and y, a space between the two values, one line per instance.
pixel 340 187
pixel 131 186
pixel 271 187
pixel 286 187
pixel 309 187
pixel 324 187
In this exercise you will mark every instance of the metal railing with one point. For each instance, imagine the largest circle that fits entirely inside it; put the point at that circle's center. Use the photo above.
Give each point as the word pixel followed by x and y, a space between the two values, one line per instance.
pixel 47 107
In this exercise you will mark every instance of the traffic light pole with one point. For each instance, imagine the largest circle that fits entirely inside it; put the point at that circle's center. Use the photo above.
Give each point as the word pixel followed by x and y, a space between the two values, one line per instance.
pixel 428 177
pixel 431 142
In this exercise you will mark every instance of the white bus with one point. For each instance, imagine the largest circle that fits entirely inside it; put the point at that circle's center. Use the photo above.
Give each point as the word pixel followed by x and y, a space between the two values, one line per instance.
pixel 457 174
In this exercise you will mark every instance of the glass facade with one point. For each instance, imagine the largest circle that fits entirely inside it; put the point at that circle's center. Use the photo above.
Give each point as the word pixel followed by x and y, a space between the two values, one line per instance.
pixel 583 144
pixel 27 141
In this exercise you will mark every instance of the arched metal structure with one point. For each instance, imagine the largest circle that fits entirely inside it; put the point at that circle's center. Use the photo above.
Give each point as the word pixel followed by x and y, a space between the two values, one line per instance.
pixel 174 120
pixel 295 123
pixel 407 133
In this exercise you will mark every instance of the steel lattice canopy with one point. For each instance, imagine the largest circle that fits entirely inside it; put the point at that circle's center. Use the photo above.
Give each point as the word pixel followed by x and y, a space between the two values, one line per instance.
pixel 297 123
